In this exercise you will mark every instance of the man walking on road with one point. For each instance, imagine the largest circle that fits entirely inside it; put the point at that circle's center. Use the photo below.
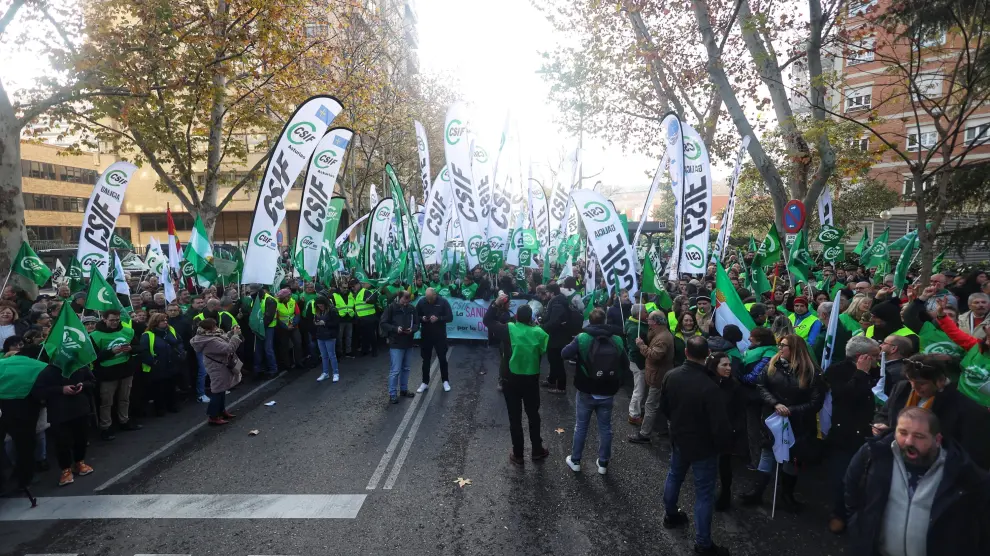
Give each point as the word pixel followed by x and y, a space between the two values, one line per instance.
pixel 699 432
pixel 399 322
pixel 433 314
pixel 601 360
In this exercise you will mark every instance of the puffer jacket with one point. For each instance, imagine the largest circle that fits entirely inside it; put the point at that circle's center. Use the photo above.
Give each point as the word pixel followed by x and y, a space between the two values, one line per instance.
pixel 331 325
pixel 555 322
pixel 217 347
pixel 64 407
pixel 659 356
pixel 783 387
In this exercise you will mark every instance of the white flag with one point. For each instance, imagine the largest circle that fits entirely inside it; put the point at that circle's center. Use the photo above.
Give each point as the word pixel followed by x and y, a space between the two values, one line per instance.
pixel 119 283
pixel 783 437
pixel 101 215
pixel 725 230
pixel 437 215
pixel 607 240
pixel 59 276
pixel 695 208
pixel 423 149
pixel 825 215
pixel 373 196
pixel 878 392
pixel 462 159
pixel 166 281
pixel 315 206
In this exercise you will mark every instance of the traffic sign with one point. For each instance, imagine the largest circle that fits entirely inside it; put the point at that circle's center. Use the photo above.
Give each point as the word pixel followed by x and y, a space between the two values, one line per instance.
pixel 793 216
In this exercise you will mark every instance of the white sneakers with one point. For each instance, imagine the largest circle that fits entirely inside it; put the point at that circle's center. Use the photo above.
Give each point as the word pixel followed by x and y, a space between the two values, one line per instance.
pixel 602 469
pixel 575 467
pixel 422 388
pixel 446 386
pixel 325 376
pixel 336 378
pixel 204 398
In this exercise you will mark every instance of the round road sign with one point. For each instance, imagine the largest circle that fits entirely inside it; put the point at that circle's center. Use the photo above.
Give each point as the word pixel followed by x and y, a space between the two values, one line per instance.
pixel 793 216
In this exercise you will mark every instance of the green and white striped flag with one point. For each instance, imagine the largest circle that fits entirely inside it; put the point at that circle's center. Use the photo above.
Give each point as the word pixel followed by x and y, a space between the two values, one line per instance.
pixel 199 253
pixel 729 309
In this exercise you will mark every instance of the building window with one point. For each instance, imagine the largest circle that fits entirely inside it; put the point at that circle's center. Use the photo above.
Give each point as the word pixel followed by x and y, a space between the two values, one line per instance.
pixel 930 38
pixel 34 201
pixel 315 30
pixel 858 99
pixel 159 222
pixel 72 234
pixel 926 140
pixel 860 7
pixel 909 187
pixel 861 52
pixel 57 172
pixel 928 85
pixel 977 134
pixel 859 144
pixel 46 233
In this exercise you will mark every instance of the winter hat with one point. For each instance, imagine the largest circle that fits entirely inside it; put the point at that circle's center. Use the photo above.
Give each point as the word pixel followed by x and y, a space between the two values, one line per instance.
pixel 801 299
pixel 887 312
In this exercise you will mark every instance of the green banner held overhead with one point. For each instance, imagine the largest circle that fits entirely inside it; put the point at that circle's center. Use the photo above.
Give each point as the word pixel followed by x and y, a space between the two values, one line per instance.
pixel 29 265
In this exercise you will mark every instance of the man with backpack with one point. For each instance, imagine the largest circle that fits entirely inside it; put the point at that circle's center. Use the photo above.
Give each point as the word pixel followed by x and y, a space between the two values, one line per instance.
pixel 562 323
pixel 601 358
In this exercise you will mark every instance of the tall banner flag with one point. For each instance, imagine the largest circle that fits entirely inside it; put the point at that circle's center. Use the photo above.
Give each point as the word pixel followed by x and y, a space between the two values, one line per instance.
pixel 373 196
pixel 674 154
pixel 101 216
pixel 483 181
pixel 199 252
pixel 29 265
pixel 423 149
pixel 729 309
pixel 59 275
pixel 825 215
pixel 460 151
pixel 540 213
pixel 296 144
pixel 347 233
pixel 507 184
pixel 825 415
pixel 608 240
pixel 377 237
pixel 695 204
pixel 558 202
pixel 404 215
pixel 433 233
pixel 725 231
pixel 313 211
pixel 335 209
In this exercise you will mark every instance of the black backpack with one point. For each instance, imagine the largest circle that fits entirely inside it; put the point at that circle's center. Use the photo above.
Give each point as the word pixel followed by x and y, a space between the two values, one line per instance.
pixel 604 359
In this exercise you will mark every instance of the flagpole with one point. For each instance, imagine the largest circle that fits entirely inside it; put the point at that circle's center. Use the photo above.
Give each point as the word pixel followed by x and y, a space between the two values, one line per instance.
pixel 773 508
pixel 7 279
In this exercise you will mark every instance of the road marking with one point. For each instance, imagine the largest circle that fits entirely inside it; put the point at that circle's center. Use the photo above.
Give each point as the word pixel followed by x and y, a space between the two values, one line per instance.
pixel 176 440
pixel 387 456
pixel 401 458
pixel 163 555
pixel 187 506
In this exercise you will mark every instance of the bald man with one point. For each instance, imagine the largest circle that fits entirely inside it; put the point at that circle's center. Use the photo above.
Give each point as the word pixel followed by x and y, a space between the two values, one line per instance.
pixel 433 313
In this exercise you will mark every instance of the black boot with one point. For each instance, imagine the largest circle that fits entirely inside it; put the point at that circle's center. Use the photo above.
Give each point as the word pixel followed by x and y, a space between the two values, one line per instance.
pixel 786 498
pixel 755 496
pixel 724 500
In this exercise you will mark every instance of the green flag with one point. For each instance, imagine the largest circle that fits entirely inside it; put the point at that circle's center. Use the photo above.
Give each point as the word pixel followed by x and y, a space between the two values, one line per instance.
pixel 101 296
pixel 799 263
pixel 878 253
pixel 864 242
pixel 904 261
pixel 752 244
pixel 199 253
pixel 18 375
pixel 68 345
pixel 76 283
pixel 117 242
pixel 758 281
pixel 29 265
pixel 650 284
pixel 256 321
pixel 830 235
pixel 937 264
pixel 934 341
pixel 769 250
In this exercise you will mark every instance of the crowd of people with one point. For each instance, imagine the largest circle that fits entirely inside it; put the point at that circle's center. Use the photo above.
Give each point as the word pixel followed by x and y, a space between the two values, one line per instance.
pixel 910 470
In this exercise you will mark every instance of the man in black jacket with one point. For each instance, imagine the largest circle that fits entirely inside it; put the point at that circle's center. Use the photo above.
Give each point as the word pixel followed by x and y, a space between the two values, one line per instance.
pixel 595 389
pixel 851 381
pixel 498 312
pixel 433 313
pixel 915 492
pixel 399 322
pixel 699 432
pixel 555 324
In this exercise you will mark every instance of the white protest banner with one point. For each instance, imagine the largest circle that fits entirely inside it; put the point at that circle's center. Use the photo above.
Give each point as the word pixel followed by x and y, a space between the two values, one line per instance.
pixel 507 181
pixel 437 215
pixel 59 276
pixel 557 204
pixel 347 233
pixel 313 210
pixel 296 144
pixel 825 215
pixel 608 240
pixel 423 148
pixel 379 227
pixel 101 216
pixel 540 213
pixel 725 230
pixel 695 207
pixel 461 157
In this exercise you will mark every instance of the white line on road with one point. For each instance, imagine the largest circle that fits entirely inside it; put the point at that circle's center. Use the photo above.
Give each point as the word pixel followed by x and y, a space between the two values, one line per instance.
pixel 163 555
pixel 401 458
pixel 176 440
pixel 187 506
pixel 387 456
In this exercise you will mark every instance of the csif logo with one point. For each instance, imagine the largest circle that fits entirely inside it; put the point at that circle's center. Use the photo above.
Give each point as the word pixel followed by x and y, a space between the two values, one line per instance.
pixel 692 150
pixel 73 338
pixel 832 252
pixel 828 234
pixel 93 259
pixel 384 214
pixel 474 244
pixel 264 239
pixel 332 213
pixel 302 132
pixel 694 256
pixel 596 211
pixel 480 155
pixel 429 250
pixel 420 144
pixel 455 130
pixel 105 296
pixel 444 176
pixel 673 128
pixel 308 243
pixel 116 178
pixel 31 264
pixel 325 158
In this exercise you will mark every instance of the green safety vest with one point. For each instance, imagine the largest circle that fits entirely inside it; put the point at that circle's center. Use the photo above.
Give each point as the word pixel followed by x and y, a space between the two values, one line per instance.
pixel 361 308
pixel 233 321
pixel 151 346
pixel 344 309
pixel 529 343
pixel 108 340
pixel 286 311
pixel 804 328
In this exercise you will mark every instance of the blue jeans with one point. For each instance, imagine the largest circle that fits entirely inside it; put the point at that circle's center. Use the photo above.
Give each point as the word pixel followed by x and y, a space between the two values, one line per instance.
pixel 584 405
pixel 265 349
pixel 328 352
pixel 705 477
pixel 201 376
pixel 398 372
pixel 217 404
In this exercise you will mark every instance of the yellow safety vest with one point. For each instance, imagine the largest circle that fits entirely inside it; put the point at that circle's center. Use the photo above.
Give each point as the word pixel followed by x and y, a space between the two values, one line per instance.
pixel 671 320
pixel 286 311
pixel 344 309
pixel 803 329
pixel 360 307
pixel 233 321
pixel 151 346
pixel 650 307
pixel 903 331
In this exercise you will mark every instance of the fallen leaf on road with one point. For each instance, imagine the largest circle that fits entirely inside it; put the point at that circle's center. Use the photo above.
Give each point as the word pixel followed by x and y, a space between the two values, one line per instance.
pixel 461 481
pixel 253 432
pixel 271 403
pixel 559 431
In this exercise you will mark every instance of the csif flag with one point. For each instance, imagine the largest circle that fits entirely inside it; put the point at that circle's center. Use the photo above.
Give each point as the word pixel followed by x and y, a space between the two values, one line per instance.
pixel 695 207
pixel 904 261
pixel 769 250
pixel 800 263
pixel 76 282
pixel 423 153
pixel 18 375
pixel 607 239
pixel 316 209
pixel 59 274
pixel 878 252
pixel 199 253
pixel 68 345
pixel 460 152
pixel 117 242
pixel 725 231
pixel 863 244
pixel 296 144
pixel 101 215
pixel 29 265
pixel 101 296
pixel 729 309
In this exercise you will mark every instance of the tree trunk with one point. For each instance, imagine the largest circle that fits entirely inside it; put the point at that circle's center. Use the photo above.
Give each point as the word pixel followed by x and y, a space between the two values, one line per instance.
pixel 11 199
pixel 208 204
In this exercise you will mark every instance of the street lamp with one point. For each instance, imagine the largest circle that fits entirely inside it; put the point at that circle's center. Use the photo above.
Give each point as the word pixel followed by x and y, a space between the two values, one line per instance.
pixel 885 215
pixel 715 220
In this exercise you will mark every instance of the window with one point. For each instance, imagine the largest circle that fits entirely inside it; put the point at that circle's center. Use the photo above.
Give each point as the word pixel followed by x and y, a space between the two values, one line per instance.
pixel 859 144
pixel 314 30
pixel 34 201
pixel 124 233
pixel 72 234
pixel 930 38
pixel 978 133
pixel 159 223
pixel 910 189
pixel 929 87
pixel 57 172
pixel 859 7
pixel 858 99
pixel 926 139
pixel 46 233
pixel 860 52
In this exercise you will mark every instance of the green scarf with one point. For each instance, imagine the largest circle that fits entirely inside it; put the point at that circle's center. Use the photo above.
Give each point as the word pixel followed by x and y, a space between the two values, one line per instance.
pixel 755 354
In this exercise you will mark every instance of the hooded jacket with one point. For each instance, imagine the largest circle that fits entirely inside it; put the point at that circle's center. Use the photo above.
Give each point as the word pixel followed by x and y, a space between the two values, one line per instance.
pixel 217 346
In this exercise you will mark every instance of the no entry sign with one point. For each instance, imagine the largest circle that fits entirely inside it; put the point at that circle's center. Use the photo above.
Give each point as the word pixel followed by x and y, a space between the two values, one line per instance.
pixel 793 216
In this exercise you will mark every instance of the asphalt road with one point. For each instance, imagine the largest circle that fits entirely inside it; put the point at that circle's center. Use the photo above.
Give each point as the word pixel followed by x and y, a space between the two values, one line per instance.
pixel 335 469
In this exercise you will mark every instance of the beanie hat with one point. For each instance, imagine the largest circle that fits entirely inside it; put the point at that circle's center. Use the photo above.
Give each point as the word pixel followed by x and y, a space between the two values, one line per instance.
pixel 801 299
